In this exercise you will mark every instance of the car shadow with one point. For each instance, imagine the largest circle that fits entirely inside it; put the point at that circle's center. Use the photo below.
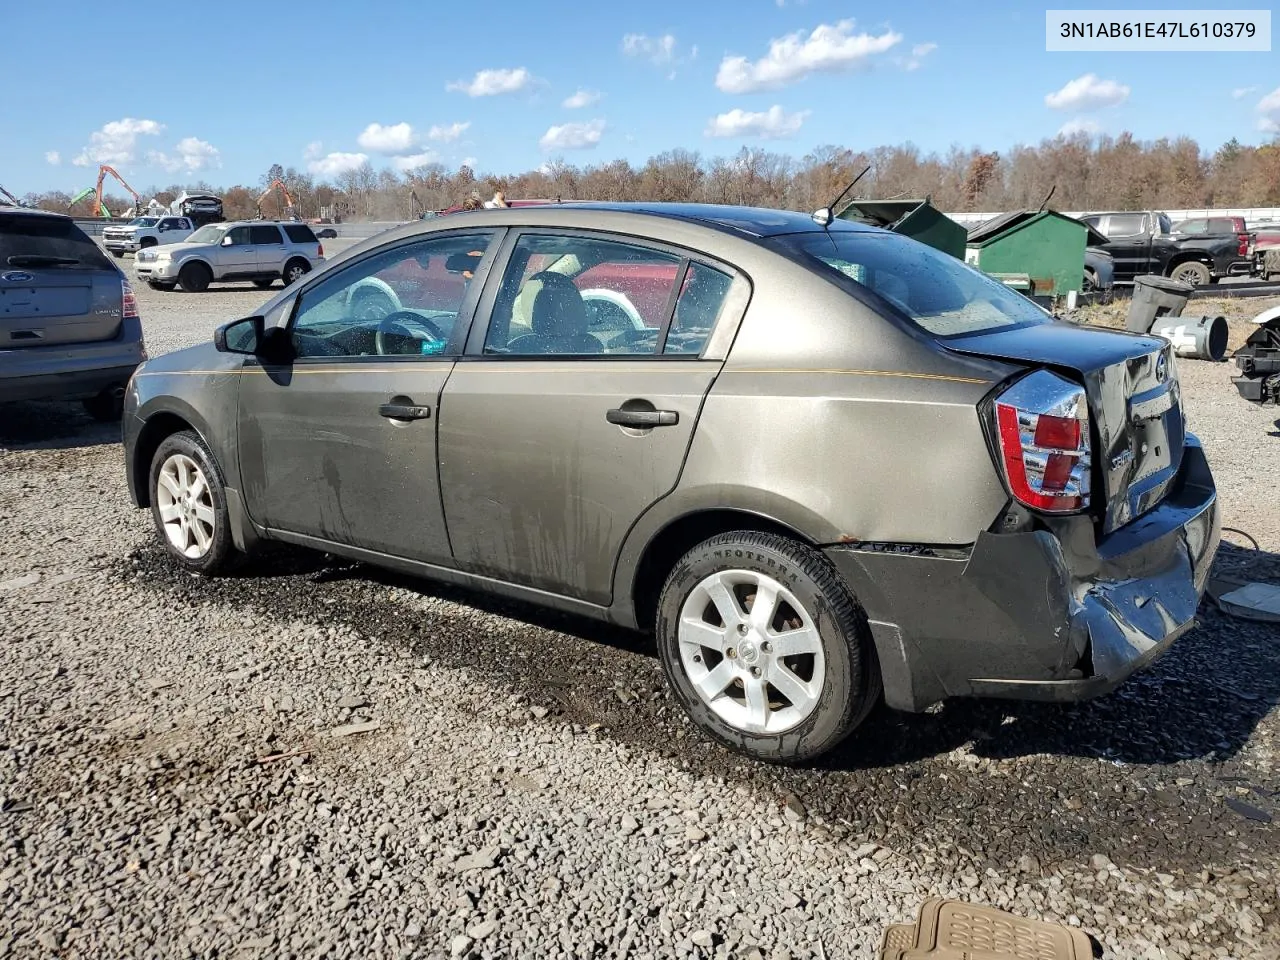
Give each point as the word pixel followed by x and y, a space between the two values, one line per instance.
pixel 52 425
pixel 1203 699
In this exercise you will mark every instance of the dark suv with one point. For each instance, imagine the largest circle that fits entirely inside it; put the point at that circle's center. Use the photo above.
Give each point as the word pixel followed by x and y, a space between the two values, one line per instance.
pixel 69 326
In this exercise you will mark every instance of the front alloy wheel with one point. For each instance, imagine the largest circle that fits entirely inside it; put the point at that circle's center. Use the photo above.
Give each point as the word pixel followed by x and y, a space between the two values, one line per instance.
pixel 189 506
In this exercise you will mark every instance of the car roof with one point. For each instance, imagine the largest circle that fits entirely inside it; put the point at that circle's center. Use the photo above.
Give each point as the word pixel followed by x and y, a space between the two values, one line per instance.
pixel 751 221
pixel 8 208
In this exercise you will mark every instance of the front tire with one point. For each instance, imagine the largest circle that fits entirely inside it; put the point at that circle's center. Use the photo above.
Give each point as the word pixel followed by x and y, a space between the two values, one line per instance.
pixel 189 505
pixel 195 278
pixel 263 284
pixel 783 683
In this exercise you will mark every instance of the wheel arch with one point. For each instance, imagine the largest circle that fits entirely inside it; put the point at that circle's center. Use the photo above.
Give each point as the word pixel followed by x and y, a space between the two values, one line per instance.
pixel 1188 256
pixel 159 424
pixel 649 571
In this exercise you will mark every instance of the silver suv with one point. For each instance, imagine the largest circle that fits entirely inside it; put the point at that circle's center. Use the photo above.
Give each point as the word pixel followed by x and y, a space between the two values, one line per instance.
pixel 69 326
pixel 263 251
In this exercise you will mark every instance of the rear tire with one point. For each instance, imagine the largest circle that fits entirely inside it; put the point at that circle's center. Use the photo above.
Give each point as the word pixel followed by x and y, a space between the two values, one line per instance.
pixel 1192 272
pixel 106 407
pixel 157 285
pixel 189 506
pixel 195 278
pixel 295 270
pixel 782 687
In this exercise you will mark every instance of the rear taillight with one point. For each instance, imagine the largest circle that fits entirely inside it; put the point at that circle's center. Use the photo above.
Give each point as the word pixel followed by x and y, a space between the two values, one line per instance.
pixel 130 301
pixel 1243 251
pixel 319 249
pixel 1042 426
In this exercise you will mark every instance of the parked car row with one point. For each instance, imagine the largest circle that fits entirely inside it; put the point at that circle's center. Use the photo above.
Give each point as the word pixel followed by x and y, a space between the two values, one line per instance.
pixel 262 251
pixel 1197 252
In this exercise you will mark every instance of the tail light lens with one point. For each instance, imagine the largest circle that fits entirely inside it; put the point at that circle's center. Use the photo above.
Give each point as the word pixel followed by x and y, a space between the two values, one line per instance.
pixel 1243 250
pixel 1042 426
pixel 130 301
pixel 319 249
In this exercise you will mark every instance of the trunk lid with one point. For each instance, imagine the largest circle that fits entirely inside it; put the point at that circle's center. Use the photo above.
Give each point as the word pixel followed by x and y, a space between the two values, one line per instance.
pixel 56 285
pixel 1135 404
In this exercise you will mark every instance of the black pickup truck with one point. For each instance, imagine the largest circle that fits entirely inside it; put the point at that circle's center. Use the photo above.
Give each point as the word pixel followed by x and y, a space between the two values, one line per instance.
pixel 1144 243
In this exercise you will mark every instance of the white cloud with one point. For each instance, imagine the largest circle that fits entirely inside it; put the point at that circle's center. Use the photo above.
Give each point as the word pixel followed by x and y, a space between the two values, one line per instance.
pixel 661 50
pixel 583 98
pixel 1240 93
pixel 1088 93
pixel 115 143
pixel 1080 125
pixel 191 154
pixel 53 158
pixel 918 53
pixel 572 136
pixel 314 150
pixel 488 83
pixel 413 160
pixel 1269 108
pixel 332 164
pixel 450 133
pixel 469 162
pixel 393 140
pixel 772 124
pixel 829 47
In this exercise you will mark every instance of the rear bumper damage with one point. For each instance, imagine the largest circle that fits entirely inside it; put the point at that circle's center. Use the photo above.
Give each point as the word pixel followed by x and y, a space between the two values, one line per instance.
pixel 1052 614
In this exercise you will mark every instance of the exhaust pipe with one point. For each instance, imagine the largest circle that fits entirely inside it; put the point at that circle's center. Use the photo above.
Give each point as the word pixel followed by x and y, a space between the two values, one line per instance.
pixel 1200 338
pixel 116 392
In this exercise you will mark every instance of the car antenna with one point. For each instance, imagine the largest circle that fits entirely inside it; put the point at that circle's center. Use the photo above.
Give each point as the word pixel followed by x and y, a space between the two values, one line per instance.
pixel 1046 199
pixel 828 213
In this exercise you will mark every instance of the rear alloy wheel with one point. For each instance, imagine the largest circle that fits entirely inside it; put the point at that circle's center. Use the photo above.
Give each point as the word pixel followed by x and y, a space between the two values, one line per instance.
pixel 1090 284
pixel 1196 274
pixel 189 506
pixel 294 271
pixel 195 278
pixel 764 647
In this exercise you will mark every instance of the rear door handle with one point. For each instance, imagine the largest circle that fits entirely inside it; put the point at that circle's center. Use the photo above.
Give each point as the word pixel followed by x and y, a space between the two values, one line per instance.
pixel 404 411
pixel 642 419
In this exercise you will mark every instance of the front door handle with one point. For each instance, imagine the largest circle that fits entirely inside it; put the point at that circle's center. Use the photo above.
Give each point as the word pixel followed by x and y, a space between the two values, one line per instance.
pixel 404 411
pixel 642 419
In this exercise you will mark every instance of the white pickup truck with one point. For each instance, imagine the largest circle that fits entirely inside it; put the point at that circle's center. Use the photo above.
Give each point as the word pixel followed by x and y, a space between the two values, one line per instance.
pixel 142 232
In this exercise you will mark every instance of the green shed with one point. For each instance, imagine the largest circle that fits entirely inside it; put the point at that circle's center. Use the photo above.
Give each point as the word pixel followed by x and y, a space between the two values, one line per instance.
pixel 917 219
pixel 1044 245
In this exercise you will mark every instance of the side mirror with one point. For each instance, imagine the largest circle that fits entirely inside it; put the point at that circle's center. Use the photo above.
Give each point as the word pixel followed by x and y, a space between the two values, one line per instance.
pixel 226 241
pixel 240 336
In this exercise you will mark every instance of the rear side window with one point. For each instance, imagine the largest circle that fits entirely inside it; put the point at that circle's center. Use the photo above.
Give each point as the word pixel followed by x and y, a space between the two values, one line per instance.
pixel 941 295
pixel 300 233
pixel 264 233
pixel 1126 225
pixel 1192 227
pixel 35 241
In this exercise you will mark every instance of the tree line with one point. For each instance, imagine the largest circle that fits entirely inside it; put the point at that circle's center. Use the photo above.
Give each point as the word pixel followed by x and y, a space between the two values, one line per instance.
pixel 1084 173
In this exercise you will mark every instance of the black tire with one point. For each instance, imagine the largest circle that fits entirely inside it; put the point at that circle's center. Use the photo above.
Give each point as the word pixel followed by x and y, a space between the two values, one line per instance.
pixel 1090 284
pixel 851 686
pixel 106 407
pixel 147 242
pixel 157 285
pixel 195 278
pixel 118 254
pixel 295 270
pixel 263 284
pixel 1192 272
pixel 221 555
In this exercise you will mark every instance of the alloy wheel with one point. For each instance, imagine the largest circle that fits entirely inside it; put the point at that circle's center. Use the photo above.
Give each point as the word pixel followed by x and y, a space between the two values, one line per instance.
pixel 186 506
pixel 751 651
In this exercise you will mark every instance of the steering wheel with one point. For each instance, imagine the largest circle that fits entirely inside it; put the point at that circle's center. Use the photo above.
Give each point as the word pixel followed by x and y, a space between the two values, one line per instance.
pixel 400 324
pixel 609 310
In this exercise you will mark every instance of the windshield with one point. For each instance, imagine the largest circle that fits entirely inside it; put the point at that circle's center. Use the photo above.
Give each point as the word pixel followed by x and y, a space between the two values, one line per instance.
pixel 941 295
pixel 144 221
pixel 210 233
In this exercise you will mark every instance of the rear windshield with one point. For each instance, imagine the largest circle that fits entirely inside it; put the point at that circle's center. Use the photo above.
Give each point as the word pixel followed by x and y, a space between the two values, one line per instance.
pixel 941 295
pixel 48 242
pixel 299 233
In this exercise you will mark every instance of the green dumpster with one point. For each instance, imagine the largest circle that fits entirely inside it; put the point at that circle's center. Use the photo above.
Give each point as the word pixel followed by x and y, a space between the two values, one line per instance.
pixel 1043 244
pixel 917 219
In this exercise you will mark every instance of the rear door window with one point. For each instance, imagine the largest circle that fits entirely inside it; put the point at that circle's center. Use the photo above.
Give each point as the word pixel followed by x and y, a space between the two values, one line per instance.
pixel 1126 225
pixel 28 240
pixel 264 234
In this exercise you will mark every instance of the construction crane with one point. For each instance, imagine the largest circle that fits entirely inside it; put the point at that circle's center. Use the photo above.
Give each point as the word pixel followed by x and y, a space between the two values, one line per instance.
pixel 98 211
pixel 289 211
pixel 103 171
pixel 7 197
pixel 416 210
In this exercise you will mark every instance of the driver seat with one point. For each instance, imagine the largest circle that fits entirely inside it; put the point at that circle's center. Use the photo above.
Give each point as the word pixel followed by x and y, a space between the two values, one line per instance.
pixel 558 319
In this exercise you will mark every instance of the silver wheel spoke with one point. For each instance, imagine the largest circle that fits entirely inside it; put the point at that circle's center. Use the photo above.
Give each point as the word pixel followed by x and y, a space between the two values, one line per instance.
pixel 793 643
pixel 790 686
pixel 703 634
pixel 184 475
pixel 757 704
pixel 170 483
pixel 726 603
pixel 204 514
pixel 198 486
pixel 202 537
pixel 764 606
pixel 713 684
pixel 170 512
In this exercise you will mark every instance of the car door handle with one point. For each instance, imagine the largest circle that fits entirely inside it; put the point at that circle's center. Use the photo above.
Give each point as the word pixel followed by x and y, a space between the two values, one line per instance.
pixel 404 411
pixel 642 419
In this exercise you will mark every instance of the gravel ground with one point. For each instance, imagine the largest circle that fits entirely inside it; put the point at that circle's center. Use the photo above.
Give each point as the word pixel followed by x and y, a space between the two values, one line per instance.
pixel 319 759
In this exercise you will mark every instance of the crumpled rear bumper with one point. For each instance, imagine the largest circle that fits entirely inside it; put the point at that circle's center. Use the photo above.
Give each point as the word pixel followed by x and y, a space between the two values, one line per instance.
pixel 1054 614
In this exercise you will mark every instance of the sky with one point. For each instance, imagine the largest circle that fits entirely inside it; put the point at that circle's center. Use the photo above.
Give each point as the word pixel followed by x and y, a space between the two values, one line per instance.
pixel 507 86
